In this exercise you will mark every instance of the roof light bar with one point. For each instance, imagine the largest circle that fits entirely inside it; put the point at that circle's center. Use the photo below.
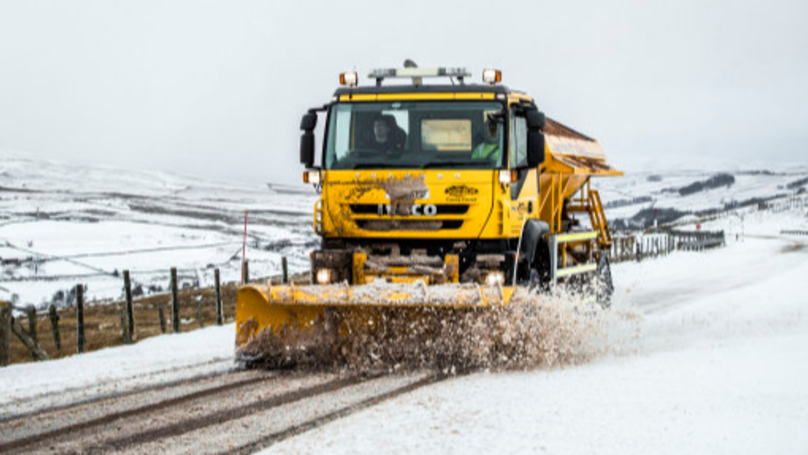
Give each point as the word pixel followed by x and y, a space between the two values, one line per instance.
pixel 418 72
pixel 400 73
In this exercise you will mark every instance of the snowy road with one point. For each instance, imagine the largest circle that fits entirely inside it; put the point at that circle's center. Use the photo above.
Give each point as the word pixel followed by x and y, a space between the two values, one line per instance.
pixel 720 367
pixel 226 412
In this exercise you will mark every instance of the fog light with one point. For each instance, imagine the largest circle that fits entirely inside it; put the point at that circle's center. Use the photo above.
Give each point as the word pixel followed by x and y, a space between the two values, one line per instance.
pixel 495 278
pixel 324 276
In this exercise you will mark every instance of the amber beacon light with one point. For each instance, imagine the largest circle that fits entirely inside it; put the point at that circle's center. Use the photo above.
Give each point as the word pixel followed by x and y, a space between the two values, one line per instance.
pixel 492 76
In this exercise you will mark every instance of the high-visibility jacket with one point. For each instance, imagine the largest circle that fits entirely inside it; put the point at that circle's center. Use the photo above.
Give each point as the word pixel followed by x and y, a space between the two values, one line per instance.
pixel 486 151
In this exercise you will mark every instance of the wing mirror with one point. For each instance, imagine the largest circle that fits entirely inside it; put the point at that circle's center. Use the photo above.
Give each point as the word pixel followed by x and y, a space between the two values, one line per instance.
pixel 307 124
pixel 536 121
pixel 535 148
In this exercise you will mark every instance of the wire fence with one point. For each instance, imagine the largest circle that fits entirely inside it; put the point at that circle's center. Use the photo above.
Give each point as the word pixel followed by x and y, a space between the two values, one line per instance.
pixel 27 334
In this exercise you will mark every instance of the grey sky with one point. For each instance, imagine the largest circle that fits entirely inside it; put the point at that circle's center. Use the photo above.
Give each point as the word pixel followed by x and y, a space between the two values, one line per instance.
pixel 217 88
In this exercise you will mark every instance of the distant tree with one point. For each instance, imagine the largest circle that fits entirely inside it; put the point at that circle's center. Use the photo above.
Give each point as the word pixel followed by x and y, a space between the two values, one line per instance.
pixel 58 298
pixel 715 181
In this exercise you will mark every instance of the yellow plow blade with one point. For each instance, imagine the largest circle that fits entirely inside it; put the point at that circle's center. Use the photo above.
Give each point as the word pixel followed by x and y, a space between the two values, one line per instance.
pixel 279 310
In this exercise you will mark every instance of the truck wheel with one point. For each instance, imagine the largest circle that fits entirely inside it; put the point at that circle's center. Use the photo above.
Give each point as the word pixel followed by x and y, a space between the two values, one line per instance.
pixel 539 275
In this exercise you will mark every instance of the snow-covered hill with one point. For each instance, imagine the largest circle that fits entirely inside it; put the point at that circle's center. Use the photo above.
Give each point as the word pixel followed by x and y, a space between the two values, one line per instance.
pixel 65 223
pixel 634 201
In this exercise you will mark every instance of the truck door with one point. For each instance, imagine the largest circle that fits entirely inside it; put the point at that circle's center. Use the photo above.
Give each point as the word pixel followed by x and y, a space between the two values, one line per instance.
pixel 524 191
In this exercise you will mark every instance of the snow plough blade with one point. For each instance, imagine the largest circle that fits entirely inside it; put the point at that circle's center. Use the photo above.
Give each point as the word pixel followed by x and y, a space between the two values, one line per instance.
pixel 283 313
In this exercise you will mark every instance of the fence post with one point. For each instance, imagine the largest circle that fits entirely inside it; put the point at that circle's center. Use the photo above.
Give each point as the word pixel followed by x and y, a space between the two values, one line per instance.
pixel 199 312
pixel 54 320
pixel 30 311
pixel 285 268
pixel 246 278
pixel 219 315
pixel 5 333
pixel 124 327
pixel 622 249
pixel 175 302
pixel 162 313
pixel 130 310
pixel 79 318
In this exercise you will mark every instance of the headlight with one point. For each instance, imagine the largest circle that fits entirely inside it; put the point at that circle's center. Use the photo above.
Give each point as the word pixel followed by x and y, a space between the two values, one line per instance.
pixel 504 176
pixel 495 278
pixel 312 176
pixel 324 276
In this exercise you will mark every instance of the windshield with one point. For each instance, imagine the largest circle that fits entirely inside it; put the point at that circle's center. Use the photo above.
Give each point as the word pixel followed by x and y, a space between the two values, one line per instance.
pixel 415 135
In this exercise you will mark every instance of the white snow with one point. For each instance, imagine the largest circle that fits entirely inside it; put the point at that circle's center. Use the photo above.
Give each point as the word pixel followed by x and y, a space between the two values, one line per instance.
pixel 719 366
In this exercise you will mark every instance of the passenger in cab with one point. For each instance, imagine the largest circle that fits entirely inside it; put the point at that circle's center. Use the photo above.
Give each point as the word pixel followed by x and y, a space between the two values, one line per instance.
pixel 489 147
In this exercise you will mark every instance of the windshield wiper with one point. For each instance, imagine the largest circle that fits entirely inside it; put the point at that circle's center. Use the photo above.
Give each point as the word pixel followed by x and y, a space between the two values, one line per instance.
pixel 455 163
pixel 375 166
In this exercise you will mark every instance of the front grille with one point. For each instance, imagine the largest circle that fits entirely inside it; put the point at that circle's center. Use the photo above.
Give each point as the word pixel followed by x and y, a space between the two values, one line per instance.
pixel 380 209
pixel 387 224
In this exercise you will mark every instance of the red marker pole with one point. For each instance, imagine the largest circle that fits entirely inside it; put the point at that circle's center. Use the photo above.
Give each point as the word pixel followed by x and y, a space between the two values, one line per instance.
pixel 244 248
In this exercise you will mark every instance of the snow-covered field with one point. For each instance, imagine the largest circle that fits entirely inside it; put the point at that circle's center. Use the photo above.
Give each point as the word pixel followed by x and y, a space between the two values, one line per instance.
pixel 63 223
pixel 719 367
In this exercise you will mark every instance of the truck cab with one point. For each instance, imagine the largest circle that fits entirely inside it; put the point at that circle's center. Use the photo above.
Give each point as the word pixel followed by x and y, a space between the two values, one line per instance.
pixel 433 182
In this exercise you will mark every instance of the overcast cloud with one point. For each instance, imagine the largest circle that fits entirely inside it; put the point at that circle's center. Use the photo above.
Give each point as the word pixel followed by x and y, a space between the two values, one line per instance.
pixel 217 88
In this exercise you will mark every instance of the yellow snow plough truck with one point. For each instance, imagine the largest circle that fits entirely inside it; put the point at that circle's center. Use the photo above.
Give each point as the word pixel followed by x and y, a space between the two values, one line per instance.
pixel 436 200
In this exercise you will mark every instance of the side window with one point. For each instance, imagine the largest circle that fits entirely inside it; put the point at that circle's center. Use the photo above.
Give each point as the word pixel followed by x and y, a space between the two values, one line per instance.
pixel 340 134
pixel 342 127
pixel 518 140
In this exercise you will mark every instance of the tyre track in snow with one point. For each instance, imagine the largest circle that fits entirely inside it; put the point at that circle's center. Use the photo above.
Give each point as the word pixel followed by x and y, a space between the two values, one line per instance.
pixel 115 388
pixel 316 422
pixel 239 412
pixel 262 424
pixel 43 430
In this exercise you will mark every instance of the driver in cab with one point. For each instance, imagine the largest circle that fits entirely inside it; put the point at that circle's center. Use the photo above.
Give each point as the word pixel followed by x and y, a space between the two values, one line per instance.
pixel 387 136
